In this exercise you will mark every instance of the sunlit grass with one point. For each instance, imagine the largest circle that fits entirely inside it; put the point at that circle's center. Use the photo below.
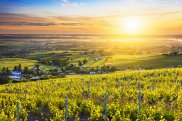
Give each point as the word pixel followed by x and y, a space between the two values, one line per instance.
pixel 11 62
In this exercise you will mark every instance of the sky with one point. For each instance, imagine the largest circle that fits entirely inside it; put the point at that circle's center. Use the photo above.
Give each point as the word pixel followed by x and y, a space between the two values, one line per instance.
pixel 90 16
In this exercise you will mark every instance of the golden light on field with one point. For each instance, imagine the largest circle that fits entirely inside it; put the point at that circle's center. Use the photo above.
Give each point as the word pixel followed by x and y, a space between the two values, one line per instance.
pixel 131 25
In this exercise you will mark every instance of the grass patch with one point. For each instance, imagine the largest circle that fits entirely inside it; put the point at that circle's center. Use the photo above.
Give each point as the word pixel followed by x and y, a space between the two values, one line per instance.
pixel 11 62
pixel 135 61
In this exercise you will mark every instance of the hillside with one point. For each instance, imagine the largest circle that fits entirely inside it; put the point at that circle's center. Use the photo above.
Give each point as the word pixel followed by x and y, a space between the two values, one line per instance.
pixel 136 61
pixel 11 62
pixel 130 95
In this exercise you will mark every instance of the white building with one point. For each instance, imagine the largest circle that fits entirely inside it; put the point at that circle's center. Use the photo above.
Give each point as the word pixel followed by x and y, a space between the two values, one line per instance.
pixel 92 72
pixel 35 78
pixel 70 72
pixel 15 75
pixel 18 73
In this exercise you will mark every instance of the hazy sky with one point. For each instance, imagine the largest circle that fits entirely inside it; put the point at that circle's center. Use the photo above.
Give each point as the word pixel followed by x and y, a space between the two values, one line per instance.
pixel 89 16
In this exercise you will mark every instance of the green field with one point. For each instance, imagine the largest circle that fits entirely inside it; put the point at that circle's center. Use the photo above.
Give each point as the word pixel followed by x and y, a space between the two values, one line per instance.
pixel 135 61
pixel 120 61
pixel 74 56
pixel 110 97
pixel 11 62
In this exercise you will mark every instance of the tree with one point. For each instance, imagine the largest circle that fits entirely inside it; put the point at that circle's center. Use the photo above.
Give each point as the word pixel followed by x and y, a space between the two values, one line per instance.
pixel 37 69
pixel 7 71
pixel 79 63
pixel 62 69
pixel 15 68
pixel 26 70
pixel 19 68
pixel 3 71
pixel 4 80
pixel 34 73
pixel 72 65
pixel 84 61
pixel 113 68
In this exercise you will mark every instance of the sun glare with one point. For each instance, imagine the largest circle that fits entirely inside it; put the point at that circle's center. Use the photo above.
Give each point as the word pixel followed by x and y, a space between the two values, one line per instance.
pixel 131 25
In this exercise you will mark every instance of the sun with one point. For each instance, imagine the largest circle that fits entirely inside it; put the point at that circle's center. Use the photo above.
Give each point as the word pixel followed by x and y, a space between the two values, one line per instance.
pixel 131 25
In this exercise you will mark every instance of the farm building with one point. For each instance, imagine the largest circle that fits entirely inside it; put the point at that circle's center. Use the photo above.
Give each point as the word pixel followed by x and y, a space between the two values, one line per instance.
pixel 35 78
pixel 92 72
pixel 70 72
pixel 15 75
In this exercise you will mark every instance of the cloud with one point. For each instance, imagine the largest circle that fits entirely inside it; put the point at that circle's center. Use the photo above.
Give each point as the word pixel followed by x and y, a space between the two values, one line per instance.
pixel 39 24
pixel 72 24
pixel 11 17
pixel 65 1
pixel 164 13
pixel 28 20
pixel 26 24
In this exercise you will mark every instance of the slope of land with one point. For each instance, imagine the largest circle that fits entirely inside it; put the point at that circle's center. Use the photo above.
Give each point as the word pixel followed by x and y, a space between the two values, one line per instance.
pixel 11 62
pixel 129 95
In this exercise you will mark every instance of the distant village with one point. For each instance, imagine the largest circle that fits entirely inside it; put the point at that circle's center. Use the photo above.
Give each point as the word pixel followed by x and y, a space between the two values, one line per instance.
pixel 17 74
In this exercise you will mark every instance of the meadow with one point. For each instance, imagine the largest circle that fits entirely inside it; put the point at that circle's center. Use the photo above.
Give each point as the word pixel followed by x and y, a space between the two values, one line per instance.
pixel 11 62
pixel 121 61
pixel 136 61
pixel 153 95
pixel 146 52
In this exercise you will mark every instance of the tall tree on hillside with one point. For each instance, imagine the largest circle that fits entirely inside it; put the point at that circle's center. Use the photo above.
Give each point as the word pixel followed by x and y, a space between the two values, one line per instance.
pixel 26 70
pixel 85 61
pixel 79 63
pixel 72 65
pixel 7 71
pixel 19 68
pixel 15 68
pixel 3 71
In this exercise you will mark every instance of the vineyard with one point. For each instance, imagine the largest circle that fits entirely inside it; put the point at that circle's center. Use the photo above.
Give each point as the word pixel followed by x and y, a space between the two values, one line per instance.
pixel 154 95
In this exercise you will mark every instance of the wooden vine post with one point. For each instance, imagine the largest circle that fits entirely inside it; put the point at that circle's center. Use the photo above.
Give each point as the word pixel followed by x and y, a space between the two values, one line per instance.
pixel 139 97
pixel 66 109
pixel 88 89
pixel 82 89
pixel 105 103
pixel 18 111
